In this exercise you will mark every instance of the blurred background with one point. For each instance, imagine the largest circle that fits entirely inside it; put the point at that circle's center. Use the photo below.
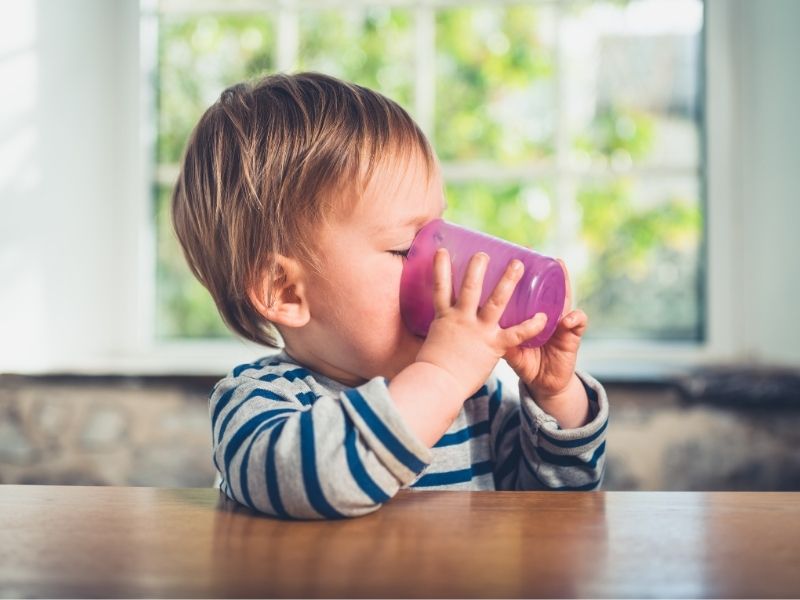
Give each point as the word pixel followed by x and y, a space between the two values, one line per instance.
pixel 652 144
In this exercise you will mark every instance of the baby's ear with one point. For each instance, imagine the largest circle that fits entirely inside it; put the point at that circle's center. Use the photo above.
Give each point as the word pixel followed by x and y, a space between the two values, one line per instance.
pixel 288 304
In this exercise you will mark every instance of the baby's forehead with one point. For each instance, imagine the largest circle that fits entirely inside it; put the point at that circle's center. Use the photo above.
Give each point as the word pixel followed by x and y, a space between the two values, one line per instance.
pixel 394 184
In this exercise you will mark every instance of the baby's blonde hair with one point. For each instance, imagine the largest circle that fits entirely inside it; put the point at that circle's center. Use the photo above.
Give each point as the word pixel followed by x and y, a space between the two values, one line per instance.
pixel 268 164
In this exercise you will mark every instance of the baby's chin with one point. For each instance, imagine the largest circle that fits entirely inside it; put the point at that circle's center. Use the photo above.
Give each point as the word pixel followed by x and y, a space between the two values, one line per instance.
pixel 403 356
pixel 392 354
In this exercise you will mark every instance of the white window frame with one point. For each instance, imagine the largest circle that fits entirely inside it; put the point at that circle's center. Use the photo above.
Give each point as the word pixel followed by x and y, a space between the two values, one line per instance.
pixel 142 352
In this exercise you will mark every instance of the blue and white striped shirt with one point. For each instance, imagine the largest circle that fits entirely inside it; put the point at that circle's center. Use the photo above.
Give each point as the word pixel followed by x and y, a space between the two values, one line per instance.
pixel 293 443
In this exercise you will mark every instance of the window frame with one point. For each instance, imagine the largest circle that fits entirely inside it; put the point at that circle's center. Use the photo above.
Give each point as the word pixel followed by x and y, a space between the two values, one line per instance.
pixel 143 352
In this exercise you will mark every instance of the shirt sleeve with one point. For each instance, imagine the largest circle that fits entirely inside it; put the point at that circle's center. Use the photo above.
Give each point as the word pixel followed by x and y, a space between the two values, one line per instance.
pixel 309 456
pixel 531 452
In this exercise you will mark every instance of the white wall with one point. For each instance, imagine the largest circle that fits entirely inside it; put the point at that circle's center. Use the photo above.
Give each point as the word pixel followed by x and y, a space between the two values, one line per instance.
pixel 61 125
pixel 73 235
pixel 769 175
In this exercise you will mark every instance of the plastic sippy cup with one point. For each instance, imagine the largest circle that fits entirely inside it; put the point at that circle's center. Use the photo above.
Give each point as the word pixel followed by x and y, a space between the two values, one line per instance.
pixel 542 287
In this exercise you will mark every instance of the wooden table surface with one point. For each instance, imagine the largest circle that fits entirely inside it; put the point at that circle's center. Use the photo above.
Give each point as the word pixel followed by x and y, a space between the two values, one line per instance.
pixel 112 542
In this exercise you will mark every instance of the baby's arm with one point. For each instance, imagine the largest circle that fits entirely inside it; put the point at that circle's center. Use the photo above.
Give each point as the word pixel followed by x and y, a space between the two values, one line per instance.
pixel 299 455
pixel 530 450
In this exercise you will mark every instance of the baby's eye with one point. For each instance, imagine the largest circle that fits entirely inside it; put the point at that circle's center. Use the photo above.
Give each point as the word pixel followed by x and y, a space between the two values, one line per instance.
pixel 402 253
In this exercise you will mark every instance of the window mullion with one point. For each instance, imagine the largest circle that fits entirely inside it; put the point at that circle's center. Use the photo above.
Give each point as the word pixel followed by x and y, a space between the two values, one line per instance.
pixel 288 37
pixel 425 71
pixel 567 214
pixel 564 186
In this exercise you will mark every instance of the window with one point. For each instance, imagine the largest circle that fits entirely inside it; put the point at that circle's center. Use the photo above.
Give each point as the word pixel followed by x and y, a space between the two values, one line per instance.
pixel 572 127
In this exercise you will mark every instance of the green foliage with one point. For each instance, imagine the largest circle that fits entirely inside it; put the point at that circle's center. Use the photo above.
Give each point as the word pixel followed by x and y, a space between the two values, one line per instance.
pixel 373 48
pixel 491 62
pixel 184 308
pixel 501 210
pixel 198 57
pixel 616 129
pixel 644 262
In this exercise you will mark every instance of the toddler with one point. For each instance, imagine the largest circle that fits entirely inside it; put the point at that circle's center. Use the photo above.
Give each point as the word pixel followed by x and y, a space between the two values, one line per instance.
pixel 297 199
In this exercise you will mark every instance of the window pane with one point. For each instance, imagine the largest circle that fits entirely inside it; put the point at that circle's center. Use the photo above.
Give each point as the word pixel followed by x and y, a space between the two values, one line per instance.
pixel 198 57
pixel 371 46
pixel 184 308
pixel 632 74
pixel 494 83
pixel 520 213
pixel 636 268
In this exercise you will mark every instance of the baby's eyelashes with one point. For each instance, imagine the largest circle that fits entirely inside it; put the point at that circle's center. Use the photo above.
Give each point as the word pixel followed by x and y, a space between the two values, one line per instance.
pixel 403 253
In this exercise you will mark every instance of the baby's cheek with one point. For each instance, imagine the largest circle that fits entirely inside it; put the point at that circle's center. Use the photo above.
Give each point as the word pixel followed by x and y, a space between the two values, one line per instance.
pixel 379 303
pixel 386 306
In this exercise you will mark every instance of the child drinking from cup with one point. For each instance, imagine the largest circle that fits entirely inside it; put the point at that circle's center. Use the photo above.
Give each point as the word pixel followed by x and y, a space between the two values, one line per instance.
pixel 297 197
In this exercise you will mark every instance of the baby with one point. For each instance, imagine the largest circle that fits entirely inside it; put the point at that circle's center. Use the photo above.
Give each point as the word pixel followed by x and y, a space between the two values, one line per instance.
pixel 297 199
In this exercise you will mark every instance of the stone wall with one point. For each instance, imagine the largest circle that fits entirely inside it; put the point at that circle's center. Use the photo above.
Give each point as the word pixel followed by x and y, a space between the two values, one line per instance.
pixel 155 432
pixel 104 431
pixel 660 440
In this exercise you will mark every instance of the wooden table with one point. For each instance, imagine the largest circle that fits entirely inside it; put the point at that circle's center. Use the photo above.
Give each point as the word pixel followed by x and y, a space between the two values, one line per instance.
pixel 112 542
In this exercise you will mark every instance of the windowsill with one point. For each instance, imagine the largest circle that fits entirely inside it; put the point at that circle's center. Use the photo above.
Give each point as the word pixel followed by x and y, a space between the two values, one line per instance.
pixel 610 363
pixel 696 373
pixel 740 387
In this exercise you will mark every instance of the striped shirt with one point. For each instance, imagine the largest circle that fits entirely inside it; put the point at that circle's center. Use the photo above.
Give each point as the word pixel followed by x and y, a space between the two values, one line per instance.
pixel 293 443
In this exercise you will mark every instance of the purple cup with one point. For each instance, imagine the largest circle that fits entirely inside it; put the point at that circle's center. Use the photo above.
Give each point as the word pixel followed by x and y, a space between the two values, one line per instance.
pixel 542 287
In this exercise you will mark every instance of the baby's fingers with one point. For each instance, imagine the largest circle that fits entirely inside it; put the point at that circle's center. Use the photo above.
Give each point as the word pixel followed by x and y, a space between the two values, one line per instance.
pixel 472 286
pixel 493 309
pixel 442 286
pixel 514 336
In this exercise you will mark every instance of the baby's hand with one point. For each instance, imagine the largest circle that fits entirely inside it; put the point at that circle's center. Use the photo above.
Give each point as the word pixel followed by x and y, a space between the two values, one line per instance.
pixel 549 370
pixel 466 340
